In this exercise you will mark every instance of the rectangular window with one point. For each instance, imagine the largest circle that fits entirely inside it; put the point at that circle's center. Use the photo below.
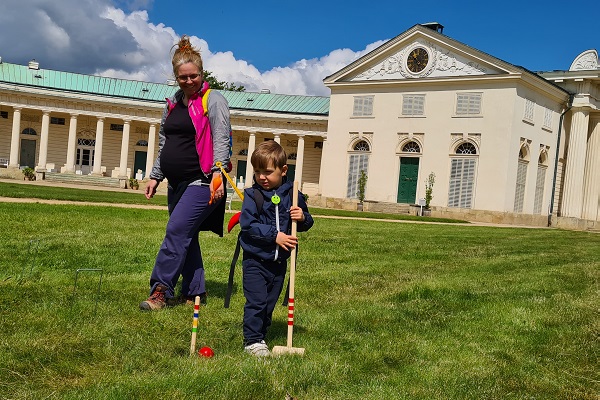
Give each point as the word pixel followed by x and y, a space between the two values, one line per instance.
pixel 462 182
pixel 357 163
pixel 116 127
pixel 363 106
pixel 413 104
pixel 539 189
pixel 57 121
pixel 3 114
pixel 468 103
pixel 529 109
pixel 520 186
pixel 547 119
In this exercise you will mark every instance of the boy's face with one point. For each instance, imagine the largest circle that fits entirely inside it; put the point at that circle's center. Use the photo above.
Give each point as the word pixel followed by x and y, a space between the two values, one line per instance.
pixel 270 178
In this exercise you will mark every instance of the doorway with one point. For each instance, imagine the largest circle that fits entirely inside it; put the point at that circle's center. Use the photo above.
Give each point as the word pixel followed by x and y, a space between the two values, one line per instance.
pixel 240 171
pixel 27 157
pixel 85 159
pixel 407 181
pixel 140 163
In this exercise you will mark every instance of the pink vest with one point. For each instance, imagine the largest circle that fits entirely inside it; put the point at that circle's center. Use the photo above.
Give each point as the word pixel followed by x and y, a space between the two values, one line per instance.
pixel 199 116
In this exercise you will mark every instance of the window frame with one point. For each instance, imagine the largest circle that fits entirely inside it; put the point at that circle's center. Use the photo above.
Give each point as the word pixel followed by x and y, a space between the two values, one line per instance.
pixel 529 111
pixel 360 110
pixel 358 159
pixel 412 114
pixel 468 113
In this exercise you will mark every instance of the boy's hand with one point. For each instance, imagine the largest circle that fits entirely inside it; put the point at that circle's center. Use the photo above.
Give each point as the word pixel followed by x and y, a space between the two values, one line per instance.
pixel 297 214
pixel 288 242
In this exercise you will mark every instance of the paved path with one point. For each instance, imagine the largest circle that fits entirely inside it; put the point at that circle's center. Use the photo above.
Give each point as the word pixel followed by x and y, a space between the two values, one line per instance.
pixel 155 207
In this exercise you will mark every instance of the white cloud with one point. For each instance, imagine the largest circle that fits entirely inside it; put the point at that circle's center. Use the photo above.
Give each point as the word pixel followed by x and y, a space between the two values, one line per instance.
pixel 94 37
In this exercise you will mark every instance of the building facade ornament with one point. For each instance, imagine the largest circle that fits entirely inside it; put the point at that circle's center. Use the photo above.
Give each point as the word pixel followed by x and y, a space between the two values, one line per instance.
pixel 588 60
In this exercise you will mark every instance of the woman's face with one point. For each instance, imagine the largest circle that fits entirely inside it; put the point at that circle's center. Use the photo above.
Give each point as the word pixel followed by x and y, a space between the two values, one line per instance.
pixel 189 78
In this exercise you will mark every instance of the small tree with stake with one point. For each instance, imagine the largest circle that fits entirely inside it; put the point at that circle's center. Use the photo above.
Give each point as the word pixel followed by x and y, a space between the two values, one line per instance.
pixel 429 189
pixel 362 184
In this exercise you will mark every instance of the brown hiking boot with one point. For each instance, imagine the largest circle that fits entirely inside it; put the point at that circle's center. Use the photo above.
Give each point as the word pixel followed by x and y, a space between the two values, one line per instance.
pixel 156 301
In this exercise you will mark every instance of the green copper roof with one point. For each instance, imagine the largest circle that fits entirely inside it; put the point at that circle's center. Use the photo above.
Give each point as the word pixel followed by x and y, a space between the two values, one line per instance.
pixel 154 92
pixel 278 102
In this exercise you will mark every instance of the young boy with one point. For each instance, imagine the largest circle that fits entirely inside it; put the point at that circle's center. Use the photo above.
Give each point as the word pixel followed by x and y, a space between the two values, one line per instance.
pixel 266 240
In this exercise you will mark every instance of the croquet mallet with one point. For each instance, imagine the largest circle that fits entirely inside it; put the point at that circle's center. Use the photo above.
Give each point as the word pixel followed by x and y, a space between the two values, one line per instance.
pixel 195 326
pixel 236 218
pixel 278 350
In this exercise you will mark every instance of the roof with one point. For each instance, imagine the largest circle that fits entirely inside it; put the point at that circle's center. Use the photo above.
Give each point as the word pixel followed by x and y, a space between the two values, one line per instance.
pixel 154 92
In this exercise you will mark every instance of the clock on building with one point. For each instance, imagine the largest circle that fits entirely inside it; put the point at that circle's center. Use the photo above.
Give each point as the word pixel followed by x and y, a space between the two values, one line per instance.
pixel 417 60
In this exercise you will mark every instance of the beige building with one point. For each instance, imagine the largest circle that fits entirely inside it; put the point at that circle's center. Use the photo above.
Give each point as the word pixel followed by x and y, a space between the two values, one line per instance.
pixel 423 103
pixel 503 144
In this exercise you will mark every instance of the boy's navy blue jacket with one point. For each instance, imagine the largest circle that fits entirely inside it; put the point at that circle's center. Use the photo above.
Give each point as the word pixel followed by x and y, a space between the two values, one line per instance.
pixel 259 229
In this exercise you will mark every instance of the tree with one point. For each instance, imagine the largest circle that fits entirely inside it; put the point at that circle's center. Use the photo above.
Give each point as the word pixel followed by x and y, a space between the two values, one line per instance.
pixel 215 84
pixel 429 189
pixel 362 184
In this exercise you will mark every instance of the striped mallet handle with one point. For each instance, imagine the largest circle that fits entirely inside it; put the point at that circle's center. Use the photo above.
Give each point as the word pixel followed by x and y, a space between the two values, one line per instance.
pixel 195 326
pixel 290 331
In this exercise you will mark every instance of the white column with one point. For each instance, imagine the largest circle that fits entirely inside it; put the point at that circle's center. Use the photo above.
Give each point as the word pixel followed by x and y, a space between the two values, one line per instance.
pixel 71 145
pixel 299 160
pixel 322 170
pixel 124 150
pixel 151 146
pixel 97 170
pixel 573 193
pixel 591 181
pixel 15 140
pixel 43 158
pixel 249 168
pixel 277 138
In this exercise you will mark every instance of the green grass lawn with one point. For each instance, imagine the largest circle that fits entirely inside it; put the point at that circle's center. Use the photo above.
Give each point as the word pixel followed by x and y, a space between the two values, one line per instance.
pixel 384 311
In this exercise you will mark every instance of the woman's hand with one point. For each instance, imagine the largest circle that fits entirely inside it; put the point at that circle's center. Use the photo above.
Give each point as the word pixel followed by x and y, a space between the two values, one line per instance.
pixel 151 188
pixel 217 188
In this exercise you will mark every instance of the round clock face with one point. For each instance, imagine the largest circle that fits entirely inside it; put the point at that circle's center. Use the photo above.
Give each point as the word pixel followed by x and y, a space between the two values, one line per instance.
pixel 417 60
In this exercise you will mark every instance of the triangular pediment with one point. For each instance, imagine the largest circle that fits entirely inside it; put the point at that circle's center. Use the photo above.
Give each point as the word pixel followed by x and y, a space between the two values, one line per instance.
pixel 421 52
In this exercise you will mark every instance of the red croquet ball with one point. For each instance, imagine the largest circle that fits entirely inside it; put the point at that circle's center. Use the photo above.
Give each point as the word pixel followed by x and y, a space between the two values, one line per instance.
pixel 206 352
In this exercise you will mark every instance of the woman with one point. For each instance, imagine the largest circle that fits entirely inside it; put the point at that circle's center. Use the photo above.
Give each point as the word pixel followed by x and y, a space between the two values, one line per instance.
pixel 191 142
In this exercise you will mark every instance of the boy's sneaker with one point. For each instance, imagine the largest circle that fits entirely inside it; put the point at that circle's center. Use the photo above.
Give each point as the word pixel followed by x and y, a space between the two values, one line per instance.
pixel 156 301
pixel 189 300
pixel 259 349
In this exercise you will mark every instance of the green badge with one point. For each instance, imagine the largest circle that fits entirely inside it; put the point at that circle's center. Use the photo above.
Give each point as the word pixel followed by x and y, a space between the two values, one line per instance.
pixel 275 199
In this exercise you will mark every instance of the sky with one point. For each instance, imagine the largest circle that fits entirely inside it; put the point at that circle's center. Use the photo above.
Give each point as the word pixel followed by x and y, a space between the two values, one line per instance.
pixel 288 47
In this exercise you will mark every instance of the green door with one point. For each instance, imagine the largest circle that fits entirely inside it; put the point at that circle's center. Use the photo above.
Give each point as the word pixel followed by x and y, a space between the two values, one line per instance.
pixel 291 172
pixel 407 182
pixel 27 158
pixel 139 162
pixel 240 171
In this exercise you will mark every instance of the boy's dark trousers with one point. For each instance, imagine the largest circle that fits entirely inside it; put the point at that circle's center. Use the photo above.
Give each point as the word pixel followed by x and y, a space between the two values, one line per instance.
pixel 263 282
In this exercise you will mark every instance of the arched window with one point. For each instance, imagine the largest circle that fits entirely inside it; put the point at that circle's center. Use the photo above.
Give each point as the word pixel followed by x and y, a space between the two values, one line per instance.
pixel 243 152
pixel 466 148
pixel 362 145
pixel 29 131
pixel 411 147
pixel 358 160
pixel 540 181
pixel 462 176
pixel 142 143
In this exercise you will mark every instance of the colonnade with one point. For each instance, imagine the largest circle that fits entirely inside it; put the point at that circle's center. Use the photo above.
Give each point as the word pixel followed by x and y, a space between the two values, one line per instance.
pixel 71 148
